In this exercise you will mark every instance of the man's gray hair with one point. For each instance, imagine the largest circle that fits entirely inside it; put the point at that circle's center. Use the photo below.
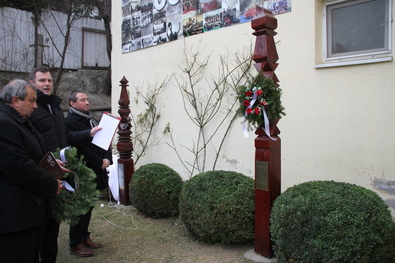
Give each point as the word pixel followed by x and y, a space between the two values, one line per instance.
pixel 73 95
pixel 15 88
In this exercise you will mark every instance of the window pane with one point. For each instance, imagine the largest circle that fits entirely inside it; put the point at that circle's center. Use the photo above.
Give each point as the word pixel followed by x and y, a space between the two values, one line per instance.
pixel 357 26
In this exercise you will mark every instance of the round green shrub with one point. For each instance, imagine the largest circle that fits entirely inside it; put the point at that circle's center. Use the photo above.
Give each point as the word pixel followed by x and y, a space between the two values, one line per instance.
pixel 155 190
pixel 327 221
pixel 218 206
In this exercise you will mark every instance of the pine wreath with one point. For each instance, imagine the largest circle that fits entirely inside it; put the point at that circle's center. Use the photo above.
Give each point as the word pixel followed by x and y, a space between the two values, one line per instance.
pixel 261 94
pixel 68 206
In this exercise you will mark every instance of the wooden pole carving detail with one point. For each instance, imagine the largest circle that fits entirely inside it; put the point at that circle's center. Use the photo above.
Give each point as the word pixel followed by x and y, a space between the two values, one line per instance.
pixel 267 151
pixel 124 145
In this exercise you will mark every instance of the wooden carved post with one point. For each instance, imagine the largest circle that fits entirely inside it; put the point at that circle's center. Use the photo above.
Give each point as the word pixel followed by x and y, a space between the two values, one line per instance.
pixel 124 145
pixel 267 150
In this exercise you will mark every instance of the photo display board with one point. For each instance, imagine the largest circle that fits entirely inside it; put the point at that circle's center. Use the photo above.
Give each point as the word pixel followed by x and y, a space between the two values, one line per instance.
pixel 147 23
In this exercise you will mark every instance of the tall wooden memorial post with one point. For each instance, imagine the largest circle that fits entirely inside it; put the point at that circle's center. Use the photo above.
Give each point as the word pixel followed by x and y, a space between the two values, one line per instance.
pixel 124 145
pixel 267 148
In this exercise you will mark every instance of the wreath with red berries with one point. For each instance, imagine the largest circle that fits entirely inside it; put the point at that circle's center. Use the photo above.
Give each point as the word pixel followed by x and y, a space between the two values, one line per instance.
pixel 67 206
pixel 259 95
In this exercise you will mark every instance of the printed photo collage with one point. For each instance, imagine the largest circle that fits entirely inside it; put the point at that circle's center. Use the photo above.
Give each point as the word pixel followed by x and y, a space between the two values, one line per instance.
pixel 147 23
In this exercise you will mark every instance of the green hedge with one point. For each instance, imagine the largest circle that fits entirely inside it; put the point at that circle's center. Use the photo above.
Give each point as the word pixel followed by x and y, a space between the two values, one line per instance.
pixel 218 206
pixel 155 189
pixel 327 221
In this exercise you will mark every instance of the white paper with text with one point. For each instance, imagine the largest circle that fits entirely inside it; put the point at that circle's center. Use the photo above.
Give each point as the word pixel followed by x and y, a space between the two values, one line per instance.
pixel 109 125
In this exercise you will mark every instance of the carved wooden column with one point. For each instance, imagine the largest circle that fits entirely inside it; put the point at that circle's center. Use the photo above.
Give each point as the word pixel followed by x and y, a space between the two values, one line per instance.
pixel 267 150
pixel 124 145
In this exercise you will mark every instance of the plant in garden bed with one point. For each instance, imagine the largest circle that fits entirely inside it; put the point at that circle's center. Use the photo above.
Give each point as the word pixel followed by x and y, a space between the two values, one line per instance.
pixel 218 206
pixel 155 189
pixel 327 221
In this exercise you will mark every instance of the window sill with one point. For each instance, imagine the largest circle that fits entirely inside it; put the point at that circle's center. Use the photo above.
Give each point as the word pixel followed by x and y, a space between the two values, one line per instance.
pixel 354 62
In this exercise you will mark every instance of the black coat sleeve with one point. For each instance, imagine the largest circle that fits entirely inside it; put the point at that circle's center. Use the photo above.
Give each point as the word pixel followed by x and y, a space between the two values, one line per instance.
pixel 20 152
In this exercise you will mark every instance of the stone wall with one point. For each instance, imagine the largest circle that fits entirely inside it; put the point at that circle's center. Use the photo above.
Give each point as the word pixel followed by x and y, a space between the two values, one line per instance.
pixel 92 83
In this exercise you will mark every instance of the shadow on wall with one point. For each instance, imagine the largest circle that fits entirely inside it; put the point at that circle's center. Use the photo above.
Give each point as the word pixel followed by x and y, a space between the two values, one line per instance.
pixel 387 187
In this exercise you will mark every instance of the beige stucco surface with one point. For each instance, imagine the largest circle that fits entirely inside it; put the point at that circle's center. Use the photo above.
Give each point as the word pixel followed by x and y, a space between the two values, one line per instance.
pixel 340 121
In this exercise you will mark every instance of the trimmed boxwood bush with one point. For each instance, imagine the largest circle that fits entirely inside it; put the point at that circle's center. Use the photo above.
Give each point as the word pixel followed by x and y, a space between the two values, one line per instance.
pixel 327 221
pixel 155 190
pixel 218 206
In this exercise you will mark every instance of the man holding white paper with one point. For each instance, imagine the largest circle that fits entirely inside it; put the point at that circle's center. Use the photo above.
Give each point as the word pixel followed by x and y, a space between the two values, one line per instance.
pixel 96 158
pixel 103 138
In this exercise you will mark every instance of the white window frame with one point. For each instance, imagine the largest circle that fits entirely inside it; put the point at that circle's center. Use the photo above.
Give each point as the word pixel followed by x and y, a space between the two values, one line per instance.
pixel 359 57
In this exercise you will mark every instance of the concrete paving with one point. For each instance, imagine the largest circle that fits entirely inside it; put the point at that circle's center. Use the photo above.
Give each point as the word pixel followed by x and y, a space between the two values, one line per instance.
pixel 252 255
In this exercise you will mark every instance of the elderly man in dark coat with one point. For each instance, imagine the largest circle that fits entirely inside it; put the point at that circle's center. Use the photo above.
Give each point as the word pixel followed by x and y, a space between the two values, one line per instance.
pixel 79 119
pixel 24 187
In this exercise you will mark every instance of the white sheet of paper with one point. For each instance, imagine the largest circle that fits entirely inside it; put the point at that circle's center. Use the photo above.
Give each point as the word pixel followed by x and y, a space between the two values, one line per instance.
pixel 109 125
pixel 68 187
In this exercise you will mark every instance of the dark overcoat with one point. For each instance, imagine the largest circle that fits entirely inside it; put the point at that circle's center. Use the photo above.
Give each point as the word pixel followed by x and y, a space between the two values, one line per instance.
pixel 48 120
pixel 93 154
pixel 21 148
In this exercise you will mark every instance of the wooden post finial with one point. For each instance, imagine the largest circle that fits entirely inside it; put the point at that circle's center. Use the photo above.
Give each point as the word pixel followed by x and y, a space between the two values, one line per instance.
pixel 265 53
pixel 124 145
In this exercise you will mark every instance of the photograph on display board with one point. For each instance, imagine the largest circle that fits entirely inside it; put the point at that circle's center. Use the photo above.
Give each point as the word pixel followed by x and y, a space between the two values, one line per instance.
pixel 209 5
pixel 126 30
pixel 136 45
pixel 230 17
pixel 174 7
pixel 148 23
pixel 173 33
pixel 172 10
pixel 247 10
pixel 160 39
pixel 147 41
pixel 212 20
pixel 277 6
pixel 174 27
pixel 230 12
pixel 191 7
pixel 146 16
pixel 159 25
pixel 193 25
pixel 126 10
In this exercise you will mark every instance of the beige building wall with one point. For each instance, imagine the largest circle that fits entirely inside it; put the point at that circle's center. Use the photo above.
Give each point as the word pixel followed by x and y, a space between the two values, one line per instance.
pixel 340 121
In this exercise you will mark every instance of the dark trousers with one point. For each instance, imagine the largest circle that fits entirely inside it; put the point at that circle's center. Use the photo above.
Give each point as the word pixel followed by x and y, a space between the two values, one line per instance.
pixel 79 232
pixel 22 246
pixel 49 245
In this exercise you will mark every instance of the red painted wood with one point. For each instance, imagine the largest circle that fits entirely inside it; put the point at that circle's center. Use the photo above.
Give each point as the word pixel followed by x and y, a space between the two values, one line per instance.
pixel 125 145
pixel 269 151
pixel 266 150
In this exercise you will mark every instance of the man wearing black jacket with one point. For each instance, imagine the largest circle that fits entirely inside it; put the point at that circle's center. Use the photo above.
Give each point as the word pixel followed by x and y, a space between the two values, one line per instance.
pixel 48 119
pixel 24 187
pixel 96 158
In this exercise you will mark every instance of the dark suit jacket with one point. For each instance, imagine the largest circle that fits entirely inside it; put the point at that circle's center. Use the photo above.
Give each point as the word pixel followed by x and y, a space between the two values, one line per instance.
pixel 51 125
pixel 48 119
pixel 93 154
pixel 21 148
